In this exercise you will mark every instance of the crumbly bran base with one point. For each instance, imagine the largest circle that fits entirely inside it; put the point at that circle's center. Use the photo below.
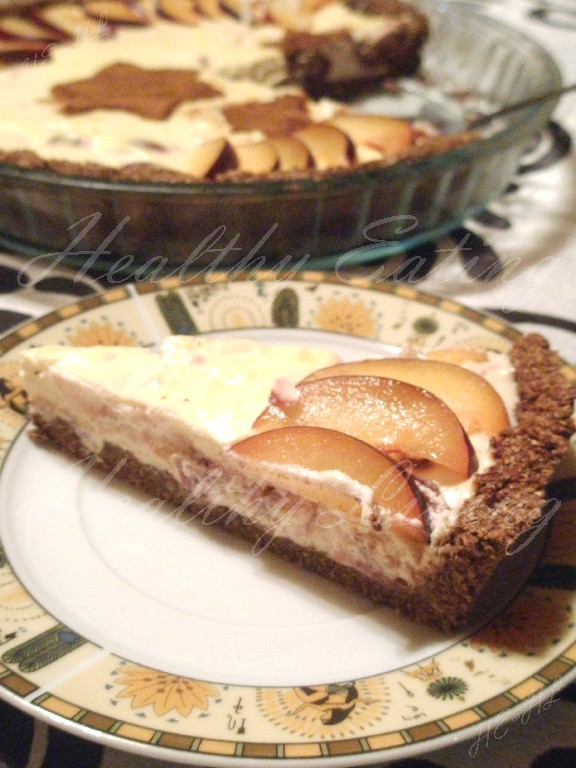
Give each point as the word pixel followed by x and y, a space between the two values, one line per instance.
pixel 507 503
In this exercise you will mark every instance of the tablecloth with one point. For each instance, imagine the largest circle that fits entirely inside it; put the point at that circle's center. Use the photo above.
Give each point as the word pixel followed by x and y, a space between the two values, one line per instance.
pixel 516 259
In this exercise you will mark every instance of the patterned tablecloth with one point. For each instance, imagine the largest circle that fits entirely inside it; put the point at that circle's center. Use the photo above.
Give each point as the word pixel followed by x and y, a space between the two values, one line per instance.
pixel 517 260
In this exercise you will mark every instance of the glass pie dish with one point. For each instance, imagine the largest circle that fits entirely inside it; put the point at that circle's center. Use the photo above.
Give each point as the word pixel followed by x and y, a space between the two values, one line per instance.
pixel 471 64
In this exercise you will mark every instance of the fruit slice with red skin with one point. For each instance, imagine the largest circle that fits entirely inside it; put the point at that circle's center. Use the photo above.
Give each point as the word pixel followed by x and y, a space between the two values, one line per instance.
pixel 252 13
pixel 403 421
pixel 326 450
pixel 21 28
pixel 388 135
pixel 116 12
pixel 235 7
pixel 211 9
pixel 70 20
pixel 183 11
pixel 474 400
pixel 259 157
pixel 12 51
pixel 329 146
pixel 205 157
pixel 287 19
pixel 295 16
pixel 292 154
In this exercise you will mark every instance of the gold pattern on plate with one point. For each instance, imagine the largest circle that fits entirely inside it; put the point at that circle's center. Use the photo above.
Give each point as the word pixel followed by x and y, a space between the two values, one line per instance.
pixel 334 710
pixel 162 691
pixel 12 396
pixel 103 333
pixel 345 315
pixel 16 605
pixel 427 672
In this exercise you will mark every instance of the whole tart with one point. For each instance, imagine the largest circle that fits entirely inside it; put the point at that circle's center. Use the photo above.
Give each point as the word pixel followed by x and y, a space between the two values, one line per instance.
pixel 189 90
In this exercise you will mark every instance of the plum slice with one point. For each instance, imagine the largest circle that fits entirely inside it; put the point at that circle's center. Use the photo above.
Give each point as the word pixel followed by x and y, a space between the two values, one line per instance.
pixel 388 135
pixel 329 146
pixel 281 454
pixel 474 400
pixel 401 420
pixel 182 11
pixel 257 157
pixel 292 154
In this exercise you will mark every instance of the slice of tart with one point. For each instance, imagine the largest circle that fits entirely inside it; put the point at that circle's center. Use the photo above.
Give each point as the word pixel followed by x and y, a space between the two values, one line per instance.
pixel 408 480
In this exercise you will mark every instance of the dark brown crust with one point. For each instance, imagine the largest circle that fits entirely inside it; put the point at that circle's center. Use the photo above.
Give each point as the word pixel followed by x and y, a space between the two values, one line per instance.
pixel 510 495
pixel 314 58
pixel 507 504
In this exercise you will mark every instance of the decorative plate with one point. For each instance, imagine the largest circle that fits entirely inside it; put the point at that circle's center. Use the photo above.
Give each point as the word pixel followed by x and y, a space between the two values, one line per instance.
pixel 121 624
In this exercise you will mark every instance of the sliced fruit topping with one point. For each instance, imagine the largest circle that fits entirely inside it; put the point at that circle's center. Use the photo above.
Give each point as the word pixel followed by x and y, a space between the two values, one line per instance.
pixel 325 450
pixel 474 400
pixel 24 28
pixel 71 20
pixel 329 146
pixel 211 9
pixel 289 14
pixel 234 6
pixel 23 50
pixel 258 157
pixel 116 12
pixel 206 158
pixel 403 421
pixel 388 135
pixel 292 154
pixel 183 11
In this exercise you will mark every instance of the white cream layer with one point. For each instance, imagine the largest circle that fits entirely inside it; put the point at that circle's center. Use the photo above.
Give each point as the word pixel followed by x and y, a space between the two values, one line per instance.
pixel 215 387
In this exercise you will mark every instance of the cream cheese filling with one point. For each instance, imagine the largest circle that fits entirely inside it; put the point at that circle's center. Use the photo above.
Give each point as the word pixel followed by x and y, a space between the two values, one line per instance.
pixel 215 387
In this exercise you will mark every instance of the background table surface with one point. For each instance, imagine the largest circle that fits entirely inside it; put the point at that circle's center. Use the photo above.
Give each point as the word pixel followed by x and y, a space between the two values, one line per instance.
pixel 517 259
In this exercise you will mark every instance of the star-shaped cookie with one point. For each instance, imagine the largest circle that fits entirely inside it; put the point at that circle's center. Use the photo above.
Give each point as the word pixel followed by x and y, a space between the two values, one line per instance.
pixel 150 93
pixel 281 117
